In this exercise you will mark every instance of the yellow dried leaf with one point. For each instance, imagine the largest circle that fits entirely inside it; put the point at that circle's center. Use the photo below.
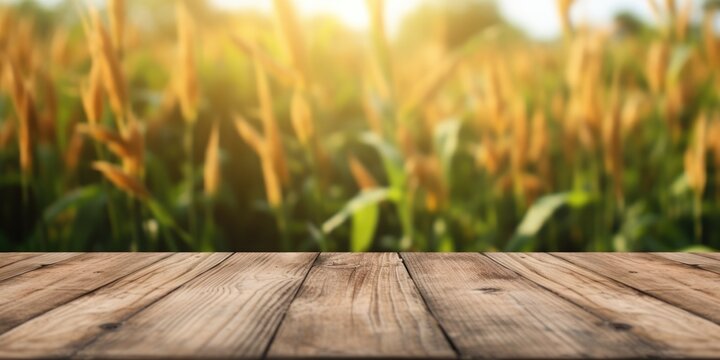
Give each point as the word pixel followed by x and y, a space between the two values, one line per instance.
pixel 187 83
pixel 211 170
pixel 362 176
pixel 302 119
pixel 130 185
pixel 270 127
pixel 116 9
pixel 249 134
pixel 291 32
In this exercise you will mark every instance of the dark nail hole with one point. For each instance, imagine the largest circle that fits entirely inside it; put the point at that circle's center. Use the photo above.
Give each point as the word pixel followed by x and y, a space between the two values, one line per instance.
pixel 632 272
pixel 345 266
pixel 110 326
pixel 97 272
pixel 621 326
pixel 488 290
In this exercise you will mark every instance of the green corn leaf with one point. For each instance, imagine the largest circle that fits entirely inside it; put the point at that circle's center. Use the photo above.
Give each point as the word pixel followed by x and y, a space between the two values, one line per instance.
pixel 539 214
pixel 679 58
pixel 391 158
pixel 359 202
pixel 364 223
pixel 71 200
pixel 446 143
pixel 87 224
pixel 166 220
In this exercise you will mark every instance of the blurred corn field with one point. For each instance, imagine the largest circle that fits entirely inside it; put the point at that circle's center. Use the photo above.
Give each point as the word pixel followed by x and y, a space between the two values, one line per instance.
pixel 171 125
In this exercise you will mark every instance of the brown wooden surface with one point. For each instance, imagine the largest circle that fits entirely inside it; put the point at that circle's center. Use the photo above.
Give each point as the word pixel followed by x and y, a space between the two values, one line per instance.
pixel 11 266
pixel 368 297
pixel 494 305
pixel 9 258
pixel 687 287
pixel 103 310
pixel 232 310
pixel 491 311
pixel 33 293
pixel 703 262
pixel 670 330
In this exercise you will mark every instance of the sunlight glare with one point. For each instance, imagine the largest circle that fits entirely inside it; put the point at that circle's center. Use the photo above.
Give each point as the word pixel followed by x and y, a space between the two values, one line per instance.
pixel 351 12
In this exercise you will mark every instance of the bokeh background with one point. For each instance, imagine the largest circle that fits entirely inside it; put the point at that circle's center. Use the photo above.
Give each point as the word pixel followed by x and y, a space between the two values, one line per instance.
pixel 464 125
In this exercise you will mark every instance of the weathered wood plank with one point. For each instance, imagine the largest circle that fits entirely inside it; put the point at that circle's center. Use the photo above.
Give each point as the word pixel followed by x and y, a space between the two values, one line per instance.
pixel 676 332
pixel 698 261
pixel 695 290
pixel 62 331
pixel 490 311
pixel 230 311
pixel 33 293
pixel 713 255
pixel 361 304
pixel 7 258
pixel 31 263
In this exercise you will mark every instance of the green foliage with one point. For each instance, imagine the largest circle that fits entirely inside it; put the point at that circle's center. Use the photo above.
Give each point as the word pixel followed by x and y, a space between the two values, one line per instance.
pixel 364 223
pixel 539 214
pixel 458 169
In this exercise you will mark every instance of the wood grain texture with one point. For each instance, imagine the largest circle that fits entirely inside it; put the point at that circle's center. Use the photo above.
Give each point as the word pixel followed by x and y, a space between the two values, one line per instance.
pixel 698 261
pixel 673 331
pixel 714 255
pixel 361 304
pixel 33 293
pixel 7 258
pixel 495 305
pixel 230 311
pixel 29 263
pixel 62 331
pixel 490 311
pixel 692 289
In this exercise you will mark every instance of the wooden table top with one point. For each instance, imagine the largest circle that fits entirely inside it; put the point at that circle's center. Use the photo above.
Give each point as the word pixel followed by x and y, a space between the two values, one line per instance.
pixel 498 305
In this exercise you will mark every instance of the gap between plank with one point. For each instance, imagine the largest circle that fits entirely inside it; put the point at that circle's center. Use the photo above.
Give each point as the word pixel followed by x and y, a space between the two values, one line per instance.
pixel 638 290
pixel 705 255
pixel 649 342
pixel 85 293
pixel 32 255
pixel 41 266
pixel 284 313
pixel 429 309
pixel 691 266
pixel 141 309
